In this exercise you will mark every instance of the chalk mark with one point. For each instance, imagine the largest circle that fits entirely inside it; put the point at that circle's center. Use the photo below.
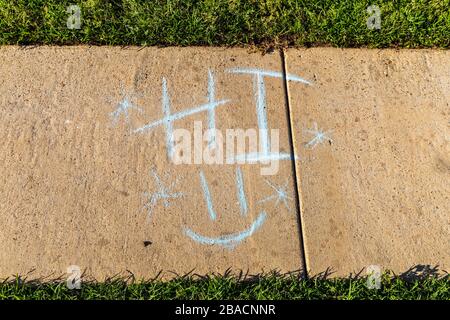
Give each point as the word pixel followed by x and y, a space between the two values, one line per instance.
pixel 163 193
pixel 280 195
pixel 255 157
pixel 241 192
pixel 319 136
pixel 274 74
pixel 228 241
pixel 259 91
pixel 169 117
pixel 124 106
pixel 207 196
pixel 211 112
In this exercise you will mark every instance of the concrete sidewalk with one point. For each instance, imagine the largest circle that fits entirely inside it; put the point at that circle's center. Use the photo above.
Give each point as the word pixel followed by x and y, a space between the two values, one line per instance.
pixel 88 179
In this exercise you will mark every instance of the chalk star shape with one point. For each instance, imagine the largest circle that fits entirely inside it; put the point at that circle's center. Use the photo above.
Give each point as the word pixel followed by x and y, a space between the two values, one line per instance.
pixel 163 193
pixel 280 195
pixel 319 136
pixel 124 106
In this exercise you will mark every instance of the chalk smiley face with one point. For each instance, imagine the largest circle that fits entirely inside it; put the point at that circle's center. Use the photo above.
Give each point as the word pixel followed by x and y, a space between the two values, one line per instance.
pixel 233 239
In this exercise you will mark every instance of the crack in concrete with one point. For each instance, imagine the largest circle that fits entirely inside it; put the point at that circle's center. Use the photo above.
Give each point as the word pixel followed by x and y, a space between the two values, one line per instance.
pixel 298 198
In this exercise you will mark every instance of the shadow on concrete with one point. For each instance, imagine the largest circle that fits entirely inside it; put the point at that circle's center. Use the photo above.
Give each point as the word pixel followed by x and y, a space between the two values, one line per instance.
pixel 418 272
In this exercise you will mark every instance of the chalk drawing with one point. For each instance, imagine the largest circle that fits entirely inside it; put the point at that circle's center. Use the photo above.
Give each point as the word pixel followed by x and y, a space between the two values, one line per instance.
pixel 280 195
pixel 273 74
pixel 241 192
pixel 210 107
pixel 207 195
pixel 124 106
pixel 162 193
pixel 255 157
pixel 319 136
pixel 169 118
pixel 259 89
pixel 231 240
pixel 211 112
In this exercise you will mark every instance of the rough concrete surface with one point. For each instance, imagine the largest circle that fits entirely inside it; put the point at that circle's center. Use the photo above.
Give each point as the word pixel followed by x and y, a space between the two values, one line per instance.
pixel 373 137
pixel 86 176
pixel 84 183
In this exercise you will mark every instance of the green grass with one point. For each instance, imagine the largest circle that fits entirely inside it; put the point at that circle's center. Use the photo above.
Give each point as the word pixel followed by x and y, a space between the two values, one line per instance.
pixel 264 23
pixel 270 286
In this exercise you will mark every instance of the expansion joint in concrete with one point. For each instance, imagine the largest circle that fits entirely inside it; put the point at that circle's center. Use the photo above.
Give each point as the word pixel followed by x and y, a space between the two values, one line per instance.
pixel 297 185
